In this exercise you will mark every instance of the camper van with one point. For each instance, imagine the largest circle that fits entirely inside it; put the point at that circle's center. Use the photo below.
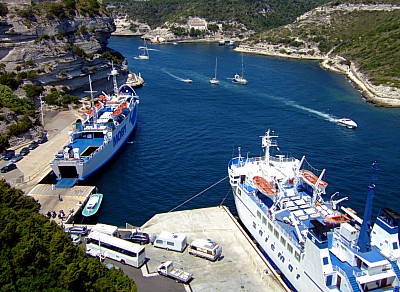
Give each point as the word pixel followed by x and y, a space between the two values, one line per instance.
pixel 106 229
pixel 171 241
pixel 205 248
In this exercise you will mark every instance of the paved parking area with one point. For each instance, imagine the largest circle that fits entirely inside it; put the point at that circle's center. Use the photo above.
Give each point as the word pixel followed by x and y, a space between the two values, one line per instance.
pixel 241 268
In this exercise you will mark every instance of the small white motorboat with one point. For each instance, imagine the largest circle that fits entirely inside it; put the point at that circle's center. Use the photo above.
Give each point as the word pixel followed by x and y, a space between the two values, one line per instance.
pixel 347 123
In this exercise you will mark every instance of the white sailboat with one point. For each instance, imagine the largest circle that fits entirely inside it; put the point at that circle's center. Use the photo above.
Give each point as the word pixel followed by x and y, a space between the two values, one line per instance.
pixel 214 79
pixel 145 54
pixel 240 78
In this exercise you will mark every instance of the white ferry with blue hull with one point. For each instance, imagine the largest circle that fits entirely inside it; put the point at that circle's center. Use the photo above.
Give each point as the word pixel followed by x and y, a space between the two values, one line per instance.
pixel 99 135
pixel 316 245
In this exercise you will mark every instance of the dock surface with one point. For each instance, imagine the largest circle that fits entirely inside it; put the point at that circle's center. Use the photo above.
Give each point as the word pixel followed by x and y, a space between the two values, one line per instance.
pixel 241 267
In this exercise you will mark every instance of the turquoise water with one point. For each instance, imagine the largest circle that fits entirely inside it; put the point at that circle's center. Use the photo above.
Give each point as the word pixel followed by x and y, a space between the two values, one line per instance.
pixel 187 132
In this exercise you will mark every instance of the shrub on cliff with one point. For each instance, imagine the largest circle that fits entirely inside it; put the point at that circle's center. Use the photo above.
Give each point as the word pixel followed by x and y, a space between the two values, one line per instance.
pixel 3 9
pixel 16 104
pixel 37 255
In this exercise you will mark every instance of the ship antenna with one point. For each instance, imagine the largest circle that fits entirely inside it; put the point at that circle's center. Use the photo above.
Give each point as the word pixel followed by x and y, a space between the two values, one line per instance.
pixel 267 142
pixel 364 240
pixel 114 74
pixel 91 101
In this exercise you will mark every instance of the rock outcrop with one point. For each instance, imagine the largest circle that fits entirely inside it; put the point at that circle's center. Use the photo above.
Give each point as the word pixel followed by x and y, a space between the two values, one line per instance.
pixel 63 48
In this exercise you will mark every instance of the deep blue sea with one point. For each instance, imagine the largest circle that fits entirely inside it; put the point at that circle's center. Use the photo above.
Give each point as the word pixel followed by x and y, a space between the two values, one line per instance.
pixel 187 132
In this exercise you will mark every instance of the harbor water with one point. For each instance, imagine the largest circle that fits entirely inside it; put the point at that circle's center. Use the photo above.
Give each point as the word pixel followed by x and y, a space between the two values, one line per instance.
pixel 187 132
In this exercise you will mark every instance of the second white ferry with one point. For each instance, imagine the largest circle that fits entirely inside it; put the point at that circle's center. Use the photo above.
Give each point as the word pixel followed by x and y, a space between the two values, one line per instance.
pixel 316 245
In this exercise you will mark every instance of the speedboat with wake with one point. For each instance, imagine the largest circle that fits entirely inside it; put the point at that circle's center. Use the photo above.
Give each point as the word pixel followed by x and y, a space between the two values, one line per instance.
pixel 347 123
pixel 317 245
pixel 98 135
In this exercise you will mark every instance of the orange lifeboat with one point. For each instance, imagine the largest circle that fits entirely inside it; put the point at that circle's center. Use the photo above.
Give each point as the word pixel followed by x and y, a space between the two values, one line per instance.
pixel 312 178
pixel 98 105
pixel 117 112
pixel 102 98
pixel 337 219
pixel 124 105
pixel 264 186
pixel 89 112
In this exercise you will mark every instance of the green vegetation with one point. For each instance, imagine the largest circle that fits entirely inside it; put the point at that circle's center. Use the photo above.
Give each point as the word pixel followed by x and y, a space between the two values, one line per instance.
pixel 36 254
pixel 370 39
pixel 13 102
pixel 256 15
pixel 66 9
pixel 60 98
pixel 3 9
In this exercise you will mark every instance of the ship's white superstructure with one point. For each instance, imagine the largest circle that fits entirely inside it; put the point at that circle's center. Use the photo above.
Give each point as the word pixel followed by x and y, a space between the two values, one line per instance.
pixel 317 245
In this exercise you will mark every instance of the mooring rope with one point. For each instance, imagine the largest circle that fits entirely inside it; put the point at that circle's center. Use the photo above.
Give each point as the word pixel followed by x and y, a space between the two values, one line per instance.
pixel 223 200
pixel 198 194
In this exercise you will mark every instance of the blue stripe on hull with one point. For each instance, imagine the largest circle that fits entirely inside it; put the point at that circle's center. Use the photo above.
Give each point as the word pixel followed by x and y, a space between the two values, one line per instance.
pixel 115 151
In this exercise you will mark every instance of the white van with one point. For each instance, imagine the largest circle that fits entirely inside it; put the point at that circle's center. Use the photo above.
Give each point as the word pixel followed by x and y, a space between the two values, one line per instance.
pixel 171 241
pixel 205 248
pixel 106 229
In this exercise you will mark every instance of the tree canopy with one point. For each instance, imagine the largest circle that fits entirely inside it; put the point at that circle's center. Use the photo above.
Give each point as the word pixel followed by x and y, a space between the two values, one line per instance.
pixel 36 254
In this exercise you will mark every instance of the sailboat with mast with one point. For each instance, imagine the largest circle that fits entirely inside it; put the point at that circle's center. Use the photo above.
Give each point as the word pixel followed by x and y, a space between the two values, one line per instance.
pixel 145 54
pixel 240 78
pixel 214 79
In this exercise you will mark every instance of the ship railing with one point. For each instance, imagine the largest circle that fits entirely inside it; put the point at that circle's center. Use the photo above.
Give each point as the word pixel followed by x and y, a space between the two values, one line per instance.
pixel 359 274
pixel 338 269
pixel 282 159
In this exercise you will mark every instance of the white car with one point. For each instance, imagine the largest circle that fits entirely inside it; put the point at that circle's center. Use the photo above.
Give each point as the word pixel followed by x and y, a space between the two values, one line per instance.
pixel 75 239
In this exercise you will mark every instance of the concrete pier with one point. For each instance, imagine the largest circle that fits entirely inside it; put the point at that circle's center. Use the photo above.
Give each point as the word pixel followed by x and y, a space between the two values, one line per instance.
pixel 70 200
pixel 241 268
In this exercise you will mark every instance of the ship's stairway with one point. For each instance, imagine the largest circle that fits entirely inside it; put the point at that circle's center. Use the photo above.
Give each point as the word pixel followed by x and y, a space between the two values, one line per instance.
pixel 353 283
pixel 66 183
pixel 396 269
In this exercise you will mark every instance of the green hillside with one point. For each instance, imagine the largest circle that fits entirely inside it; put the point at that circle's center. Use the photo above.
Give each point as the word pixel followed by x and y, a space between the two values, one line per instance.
pixel 370 39
pixel 254 14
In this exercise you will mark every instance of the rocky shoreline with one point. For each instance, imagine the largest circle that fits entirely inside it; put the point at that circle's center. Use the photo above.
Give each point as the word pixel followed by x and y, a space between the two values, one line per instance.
pixel 383 96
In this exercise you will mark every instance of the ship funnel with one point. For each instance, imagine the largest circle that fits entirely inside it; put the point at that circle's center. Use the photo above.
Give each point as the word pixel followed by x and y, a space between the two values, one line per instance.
pixel 364 239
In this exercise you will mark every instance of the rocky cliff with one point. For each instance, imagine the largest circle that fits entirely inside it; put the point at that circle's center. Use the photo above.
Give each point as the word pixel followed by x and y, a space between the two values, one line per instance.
pixel 63 40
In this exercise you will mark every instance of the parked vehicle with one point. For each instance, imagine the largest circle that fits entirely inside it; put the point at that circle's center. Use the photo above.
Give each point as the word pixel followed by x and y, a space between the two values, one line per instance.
pixel 106 246
pixel 75 239
pixel 170 240
pixel 17 157
pixel 79 230
pixel 138 237
pixel 106 229
pixel 33 145
pixel 167 269
pixel 10 154
pixel 8 167
pixel 43 139
pixel 24 151
pixel 205 248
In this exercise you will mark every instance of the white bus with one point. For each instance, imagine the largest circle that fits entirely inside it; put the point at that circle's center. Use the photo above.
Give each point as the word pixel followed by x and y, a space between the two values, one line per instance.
pixel 106 246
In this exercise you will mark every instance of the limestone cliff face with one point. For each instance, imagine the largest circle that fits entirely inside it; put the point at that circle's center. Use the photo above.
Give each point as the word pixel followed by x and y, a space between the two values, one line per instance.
pixel 67 45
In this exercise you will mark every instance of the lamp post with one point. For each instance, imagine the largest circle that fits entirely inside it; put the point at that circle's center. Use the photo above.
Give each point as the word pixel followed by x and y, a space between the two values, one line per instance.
pixel 41 109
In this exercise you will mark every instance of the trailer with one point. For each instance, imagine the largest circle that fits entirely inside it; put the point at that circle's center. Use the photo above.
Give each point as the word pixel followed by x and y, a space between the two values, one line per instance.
pixel 167 269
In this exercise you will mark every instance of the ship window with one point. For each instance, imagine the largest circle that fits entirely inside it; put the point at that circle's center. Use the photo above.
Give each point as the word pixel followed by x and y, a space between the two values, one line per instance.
pixel 290 248
pixel 325 260
pixel 276 233
pixel 395 246
pixel 254 225
pixel 264 221
pixel 283 240
pixel 261 232
pixel 297 256
pixel 270 227
pixel 239 192
pixel 258 214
